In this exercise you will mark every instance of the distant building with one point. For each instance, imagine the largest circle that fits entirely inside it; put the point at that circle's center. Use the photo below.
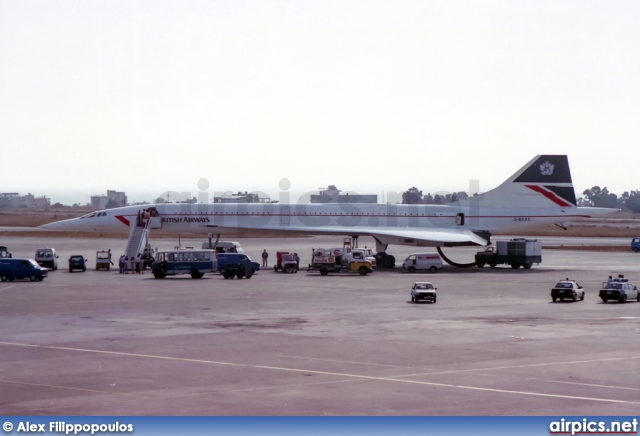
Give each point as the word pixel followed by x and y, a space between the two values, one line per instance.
pixel 246 197
pixel 14 199
pixel 109 201
pixel 332 195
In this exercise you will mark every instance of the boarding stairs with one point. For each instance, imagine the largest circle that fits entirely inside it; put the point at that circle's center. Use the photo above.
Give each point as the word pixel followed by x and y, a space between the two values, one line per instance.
pixel 138 236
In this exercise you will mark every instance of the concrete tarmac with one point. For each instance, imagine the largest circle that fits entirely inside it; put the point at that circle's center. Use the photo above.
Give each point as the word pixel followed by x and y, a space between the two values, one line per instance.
pixel 104 343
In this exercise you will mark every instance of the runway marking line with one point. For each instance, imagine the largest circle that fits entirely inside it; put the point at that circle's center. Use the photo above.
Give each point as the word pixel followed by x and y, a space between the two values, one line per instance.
pixel 337 374
pixel 532 365
pixel 96 391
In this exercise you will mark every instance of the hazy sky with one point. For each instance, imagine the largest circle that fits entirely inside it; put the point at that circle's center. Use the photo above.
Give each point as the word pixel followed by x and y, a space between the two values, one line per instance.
pixel 372 96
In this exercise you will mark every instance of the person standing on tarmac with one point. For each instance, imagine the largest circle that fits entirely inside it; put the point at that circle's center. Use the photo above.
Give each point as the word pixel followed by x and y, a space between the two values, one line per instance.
pixel 297 259
pixel 265 257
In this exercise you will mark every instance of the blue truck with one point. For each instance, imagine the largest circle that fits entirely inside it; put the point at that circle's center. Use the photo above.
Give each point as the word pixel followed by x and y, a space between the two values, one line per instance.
pixel 635 244
pixel 236 265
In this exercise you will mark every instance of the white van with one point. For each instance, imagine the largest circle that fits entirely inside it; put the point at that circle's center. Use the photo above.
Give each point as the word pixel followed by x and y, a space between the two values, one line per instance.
pixel 423 261
pixel 47 258
pixel 224 246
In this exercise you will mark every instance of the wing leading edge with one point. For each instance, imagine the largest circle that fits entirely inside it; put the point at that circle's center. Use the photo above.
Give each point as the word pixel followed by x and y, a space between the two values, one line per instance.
pixel 437 237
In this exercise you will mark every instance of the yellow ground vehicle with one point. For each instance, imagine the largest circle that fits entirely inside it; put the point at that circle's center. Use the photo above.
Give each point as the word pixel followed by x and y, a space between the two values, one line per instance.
pixel 335 260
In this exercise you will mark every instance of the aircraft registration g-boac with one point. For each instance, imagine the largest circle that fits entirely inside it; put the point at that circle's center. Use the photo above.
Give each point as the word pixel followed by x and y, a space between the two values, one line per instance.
pixel 541 192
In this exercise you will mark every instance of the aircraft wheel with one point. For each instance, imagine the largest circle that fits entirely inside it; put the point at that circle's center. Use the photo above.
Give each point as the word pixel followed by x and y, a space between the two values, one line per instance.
pixel 389 261
pixel 380 258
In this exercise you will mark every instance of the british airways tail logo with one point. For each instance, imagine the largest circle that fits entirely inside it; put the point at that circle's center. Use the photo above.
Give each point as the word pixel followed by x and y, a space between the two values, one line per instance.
pixel 546 169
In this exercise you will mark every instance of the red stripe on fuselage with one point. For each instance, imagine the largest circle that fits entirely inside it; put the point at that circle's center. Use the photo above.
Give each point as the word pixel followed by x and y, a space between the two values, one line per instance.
pixel 123 219
pixel 550 195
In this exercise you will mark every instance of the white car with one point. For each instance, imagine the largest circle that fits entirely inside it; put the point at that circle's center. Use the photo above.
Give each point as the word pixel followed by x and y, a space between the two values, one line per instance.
pixel 620 290
pixel 569 289
pixel 423 291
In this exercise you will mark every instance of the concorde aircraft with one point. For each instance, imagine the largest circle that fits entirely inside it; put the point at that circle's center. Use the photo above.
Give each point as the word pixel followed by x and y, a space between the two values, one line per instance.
pixel 541 192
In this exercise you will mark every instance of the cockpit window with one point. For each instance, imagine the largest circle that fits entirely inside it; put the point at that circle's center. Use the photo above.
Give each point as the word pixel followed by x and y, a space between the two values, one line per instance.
pixel 89 215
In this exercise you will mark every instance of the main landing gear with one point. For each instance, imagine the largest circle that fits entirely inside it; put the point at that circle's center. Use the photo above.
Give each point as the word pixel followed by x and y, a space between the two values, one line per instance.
pixel 384 260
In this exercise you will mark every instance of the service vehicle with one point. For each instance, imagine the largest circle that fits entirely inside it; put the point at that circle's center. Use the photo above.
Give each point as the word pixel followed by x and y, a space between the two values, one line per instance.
pixel 336 260
pixel 567 289
pixel 518 252
pixel 176 262
pixel 102 260
pixel 4 252
pixel 223 246
pixel 422 261
pixel 351 243
pixel 77 261
pixel 147 256
pixel 619 289
pixel 635 244
pixel 286 262
pixel 423 291
pixel 47 258
pixel 11 269
pixel 238 265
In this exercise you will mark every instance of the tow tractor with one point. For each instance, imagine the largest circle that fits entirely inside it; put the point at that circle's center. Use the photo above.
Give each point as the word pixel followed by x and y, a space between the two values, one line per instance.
pixel 286 262
pixel 102 260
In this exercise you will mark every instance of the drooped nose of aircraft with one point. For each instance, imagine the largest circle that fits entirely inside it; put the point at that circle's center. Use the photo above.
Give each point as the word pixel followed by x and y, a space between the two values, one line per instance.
pixel 95 221
pixel 70 224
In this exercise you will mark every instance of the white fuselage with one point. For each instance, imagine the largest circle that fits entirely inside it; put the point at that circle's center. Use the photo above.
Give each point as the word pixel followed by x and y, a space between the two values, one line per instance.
pixel 328 218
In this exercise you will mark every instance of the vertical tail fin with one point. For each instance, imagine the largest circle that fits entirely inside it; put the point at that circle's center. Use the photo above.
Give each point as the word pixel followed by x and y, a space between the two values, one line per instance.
pixel 545 181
